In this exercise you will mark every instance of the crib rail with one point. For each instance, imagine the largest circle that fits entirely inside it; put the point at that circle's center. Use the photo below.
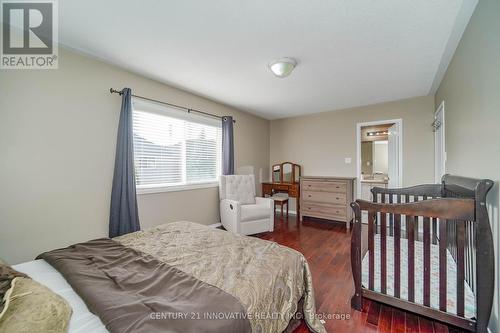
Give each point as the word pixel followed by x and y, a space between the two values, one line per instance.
pixel 400 194
pixel 407 195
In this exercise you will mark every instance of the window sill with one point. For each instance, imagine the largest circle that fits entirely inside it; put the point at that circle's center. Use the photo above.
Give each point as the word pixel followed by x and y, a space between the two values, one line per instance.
pixel 177 188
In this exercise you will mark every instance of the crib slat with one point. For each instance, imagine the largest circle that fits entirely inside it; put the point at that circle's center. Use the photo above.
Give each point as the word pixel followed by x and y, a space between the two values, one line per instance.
pixel 391 218
pixel 383 254
pixel 411 257
pixel 460 267
pixel 415 228
pixel 434 230
pixel 442 265
pixel 397 254
pixel 407 200
pixel 371 250
pixel 427 262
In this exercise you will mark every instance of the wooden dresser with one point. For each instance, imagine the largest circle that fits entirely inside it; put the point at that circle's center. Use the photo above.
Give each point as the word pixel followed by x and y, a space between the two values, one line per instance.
pixel 327 198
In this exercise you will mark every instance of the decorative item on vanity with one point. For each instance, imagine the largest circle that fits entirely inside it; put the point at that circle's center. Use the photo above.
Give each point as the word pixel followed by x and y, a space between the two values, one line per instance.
pixel 284 179
pixel 327 198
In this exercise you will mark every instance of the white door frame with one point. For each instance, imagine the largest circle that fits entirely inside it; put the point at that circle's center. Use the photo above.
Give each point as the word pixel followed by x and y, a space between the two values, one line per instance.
pixel 437 178
pixel 358 150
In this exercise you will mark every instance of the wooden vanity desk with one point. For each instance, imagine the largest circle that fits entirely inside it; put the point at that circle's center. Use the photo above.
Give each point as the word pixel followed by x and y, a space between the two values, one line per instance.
pixel 285 178
pixel 293 190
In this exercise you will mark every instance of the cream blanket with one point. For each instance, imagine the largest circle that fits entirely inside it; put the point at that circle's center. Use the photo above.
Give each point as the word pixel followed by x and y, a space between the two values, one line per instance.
pixel 267 278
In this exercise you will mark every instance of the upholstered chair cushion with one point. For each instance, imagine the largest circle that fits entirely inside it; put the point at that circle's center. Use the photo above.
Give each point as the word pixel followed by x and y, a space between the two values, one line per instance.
pixel 254 212
pixel 239 188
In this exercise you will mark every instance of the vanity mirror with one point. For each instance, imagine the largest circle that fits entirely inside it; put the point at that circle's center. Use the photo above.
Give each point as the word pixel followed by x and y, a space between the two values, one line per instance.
pixel 276 173
pixel 285 179
pixel 286 172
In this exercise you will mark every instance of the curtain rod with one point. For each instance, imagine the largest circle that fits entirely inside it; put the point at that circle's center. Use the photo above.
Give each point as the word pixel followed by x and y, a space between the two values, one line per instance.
pixel 114 91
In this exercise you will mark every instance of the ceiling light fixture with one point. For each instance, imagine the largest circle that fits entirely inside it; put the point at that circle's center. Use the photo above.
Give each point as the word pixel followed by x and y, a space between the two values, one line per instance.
pixel 283 67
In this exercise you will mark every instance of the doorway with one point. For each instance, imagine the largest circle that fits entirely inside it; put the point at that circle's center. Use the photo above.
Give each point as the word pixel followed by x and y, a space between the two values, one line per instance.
pixel 439 144
pixel 379 155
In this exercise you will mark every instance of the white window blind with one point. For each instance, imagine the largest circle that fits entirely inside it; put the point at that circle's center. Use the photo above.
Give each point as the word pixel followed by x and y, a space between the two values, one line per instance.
pixel 173 148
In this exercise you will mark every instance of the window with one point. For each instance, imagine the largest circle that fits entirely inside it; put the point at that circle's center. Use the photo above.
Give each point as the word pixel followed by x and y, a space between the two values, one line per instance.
pixel 174 149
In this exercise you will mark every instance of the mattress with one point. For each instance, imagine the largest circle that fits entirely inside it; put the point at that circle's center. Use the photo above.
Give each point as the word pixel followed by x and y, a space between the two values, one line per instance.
pixel 451 276
pixel 82 320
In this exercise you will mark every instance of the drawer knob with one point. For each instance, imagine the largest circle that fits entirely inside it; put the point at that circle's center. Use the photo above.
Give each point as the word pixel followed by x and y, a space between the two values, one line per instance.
pixel 309 195
pixel 337 198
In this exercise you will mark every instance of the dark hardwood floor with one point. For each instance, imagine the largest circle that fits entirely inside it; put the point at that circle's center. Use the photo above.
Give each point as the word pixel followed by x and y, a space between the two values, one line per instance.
pixel 326 246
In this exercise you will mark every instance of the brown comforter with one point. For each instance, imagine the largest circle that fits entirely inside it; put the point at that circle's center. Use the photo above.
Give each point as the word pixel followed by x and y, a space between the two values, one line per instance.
pixel 186 277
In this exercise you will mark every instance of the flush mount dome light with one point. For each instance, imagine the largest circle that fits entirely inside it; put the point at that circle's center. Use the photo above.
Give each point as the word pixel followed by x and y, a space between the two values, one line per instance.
pixel 283 67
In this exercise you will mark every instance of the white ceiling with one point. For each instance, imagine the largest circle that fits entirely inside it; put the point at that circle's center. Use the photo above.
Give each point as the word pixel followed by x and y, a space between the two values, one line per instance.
pixel 350 52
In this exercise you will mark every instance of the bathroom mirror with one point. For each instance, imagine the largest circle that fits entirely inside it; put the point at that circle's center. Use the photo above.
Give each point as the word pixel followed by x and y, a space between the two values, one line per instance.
pixel 374 158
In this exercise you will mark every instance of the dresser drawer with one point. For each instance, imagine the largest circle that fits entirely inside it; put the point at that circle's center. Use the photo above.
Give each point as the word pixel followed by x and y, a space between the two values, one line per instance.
pixel 326 211
pixel 325 197
pixel 330 186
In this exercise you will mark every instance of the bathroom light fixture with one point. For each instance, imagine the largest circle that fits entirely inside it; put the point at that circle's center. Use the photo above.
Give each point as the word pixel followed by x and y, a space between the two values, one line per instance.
pixel 283 67
pixel 378 133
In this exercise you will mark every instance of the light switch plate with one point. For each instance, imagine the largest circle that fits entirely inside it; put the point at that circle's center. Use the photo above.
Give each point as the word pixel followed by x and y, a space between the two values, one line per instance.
pixel 347 160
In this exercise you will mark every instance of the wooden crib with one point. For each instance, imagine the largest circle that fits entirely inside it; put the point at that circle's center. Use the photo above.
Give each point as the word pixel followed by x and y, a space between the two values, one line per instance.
pixel 428 250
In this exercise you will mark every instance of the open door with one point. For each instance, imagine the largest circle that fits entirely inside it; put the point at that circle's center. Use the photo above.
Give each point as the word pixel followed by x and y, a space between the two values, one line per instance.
pixel 393 162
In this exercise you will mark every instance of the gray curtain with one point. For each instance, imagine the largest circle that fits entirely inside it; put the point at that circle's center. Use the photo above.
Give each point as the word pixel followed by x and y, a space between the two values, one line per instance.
pixel 123 217
pixel 227 146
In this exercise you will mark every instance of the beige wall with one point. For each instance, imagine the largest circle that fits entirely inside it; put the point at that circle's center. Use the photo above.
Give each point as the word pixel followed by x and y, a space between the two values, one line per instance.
pixel 321 141
pixel 57 147
pixel 471 91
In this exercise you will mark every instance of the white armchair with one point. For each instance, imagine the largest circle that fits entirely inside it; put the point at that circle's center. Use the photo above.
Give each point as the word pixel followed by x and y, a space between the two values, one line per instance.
pixel 241 211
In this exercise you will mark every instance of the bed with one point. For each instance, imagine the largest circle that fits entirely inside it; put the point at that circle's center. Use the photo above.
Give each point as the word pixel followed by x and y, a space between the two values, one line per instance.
pixel 427 249
pixel 180 268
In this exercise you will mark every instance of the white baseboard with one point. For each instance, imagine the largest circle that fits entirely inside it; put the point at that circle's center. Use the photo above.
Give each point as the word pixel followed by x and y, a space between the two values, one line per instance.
pixel 291 212
pixel 215 225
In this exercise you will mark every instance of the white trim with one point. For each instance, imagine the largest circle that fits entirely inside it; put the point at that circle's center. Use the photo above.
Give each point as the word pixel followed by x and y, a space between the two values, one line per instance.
pixel 215 225
pixel 443 161
pixel 291 212
pixel 176 188
pixel 358 150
